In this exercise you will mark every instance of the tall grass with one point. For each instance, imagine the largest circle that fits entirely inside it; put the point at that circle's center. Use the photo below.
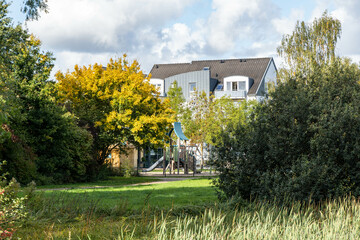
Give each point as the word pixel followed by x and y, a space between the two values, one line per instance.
pixel 64 219
pixel 338 219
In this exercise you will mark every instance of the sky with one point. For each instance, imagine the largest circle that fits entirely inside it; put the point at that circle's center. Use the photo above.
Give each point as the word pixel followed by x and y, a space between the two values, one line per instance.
pixel 152 32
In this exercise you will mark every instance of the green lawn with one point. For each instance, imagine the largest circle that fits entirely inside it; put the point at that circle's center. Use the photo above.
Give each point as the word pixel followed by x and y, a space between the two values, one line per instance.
pixel 120 212
pixel 178 210
pixel 112 181
pixel 162 195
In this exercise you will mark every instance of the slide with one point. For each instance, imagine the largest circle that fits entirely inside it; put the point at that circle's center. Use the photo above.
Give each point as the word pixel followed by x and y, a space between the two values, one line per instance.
pixel 152 167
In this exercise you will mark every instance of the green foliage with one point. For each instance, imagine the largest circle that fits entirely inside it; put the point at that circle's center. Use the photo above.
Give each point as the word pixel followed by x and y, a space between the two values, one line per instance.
pixel 176 100
pixel 195 117
pixel 21 160
pixel 261 220
pixel 12 209
pixel 303 143
pixel 205 117
pixel 309 46
pixel 127 170
pixel 41 142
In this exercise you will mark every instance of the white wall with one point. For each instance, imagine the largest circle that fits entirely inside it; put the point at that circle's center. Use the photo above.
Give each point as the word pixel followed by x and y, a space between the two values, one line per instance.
pixel 156 82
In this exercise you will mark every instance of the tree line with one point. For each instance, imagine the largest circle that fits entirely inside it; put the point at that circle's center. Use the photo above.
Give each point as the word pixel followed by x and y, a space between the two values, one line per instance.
pixel 62 131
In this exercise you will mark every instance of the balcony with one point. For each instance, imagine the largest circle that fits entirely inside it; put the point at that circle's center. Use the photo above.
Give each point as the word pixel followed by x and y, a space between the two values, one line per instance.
pixel 231 94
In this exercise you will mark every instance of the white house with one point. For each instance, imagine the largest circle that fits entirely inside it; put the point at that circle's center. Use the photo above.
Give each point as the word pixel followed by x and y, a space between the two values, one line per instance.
pixel 237 78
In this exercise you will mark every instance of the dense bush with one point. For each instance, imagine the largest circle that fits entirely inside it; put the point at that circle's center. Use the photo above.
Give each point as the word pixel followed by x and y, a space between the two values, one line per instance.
pixel 302 143
pixel 12 209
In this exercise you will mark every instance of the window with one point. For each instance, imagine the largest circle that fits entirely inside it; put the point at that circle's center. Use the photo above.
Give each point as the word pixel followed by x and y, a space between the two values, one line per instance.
pixel 228 86
pixel 219 87
pixel 156 85
pixel 192 87
pixel 234 86
pixel 242 85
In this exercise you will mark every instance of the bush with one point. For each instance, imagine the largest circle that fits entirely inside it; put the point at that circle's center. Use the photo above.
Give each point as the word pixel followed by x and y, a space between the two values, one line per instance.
pixel 304 143
pixel 11 207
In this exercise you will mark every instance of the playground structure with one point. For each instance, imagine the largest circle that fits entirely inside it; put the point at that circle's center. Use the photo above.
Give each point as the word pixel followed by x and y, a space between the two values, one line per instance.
pixel 177 155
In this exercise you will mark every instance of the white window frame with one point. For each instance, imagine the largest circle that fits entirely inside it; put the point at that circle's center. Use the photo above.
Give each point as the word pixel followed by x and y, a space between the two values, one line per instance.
pixel 229 81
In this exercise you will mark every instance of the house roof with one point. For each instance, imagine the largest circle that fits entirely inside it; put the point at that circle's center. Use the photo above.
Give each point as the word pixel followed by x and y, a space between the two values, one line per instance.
pixel 251 67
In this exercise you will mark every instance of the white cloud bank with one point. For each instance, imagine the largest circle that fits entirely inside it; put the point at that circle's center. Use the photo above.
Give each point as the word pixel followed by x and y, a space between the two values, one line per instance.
pixel 87 31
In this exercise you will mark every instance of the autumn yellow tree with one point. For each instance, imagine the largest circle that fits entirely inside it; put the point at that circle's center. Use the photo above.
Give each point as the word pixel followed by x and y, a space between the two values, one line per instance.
pixel 117 104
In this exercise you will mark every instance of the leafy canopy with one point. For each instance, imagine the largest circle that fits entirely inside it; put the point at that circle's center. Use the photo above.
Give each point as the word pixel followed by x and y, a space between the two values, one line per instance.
pixel 310 45
pixel 38 140
pixel 117 104
pixel 303 142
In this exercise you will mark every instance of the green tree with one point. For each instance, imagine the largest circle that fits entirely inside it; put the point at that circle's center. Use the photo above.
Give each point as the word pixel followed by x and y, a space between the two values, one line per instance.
pixel 176 100
pixel 309 46
pixel 195 117
pixel 32 8
pixel 224 112
pixel 45 143
pixel 303 142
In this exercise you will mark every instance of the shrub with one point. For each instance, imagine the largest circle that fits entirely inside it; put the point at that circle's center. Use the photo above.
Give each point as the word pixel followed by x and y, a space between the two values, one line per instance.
pixel 304 143
pixel 11 207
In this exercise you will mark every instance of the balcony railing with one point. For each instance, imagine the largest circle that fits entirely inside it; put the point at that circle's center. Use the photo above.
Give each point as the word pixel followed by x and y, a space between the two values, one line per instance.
pixel 231 94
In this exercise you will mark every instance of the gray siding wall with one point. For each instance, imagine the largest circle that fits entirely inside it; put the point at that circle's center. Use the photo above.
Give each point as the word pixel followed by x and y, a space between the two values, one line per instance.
pixel 269 76
pixel 201 78
pixel 261 91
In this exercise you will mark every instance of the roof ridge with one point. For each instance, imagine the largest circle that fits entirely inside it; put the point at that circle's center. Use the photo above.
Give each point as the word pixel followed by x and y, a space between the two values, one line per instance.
pixel 212 60
pixel 171 63
pixel 230 59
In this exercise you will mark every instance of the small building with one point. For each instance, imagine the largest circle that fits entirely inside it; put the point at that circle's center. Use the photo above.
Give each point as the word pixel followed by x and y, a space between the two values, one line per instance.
pixel 239 79
pixel 120 160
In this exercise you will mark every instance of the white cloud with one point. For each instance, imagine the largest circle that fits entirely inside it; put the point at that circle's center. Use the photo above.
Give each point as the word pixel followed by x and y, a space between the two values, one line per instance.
pixel 91 29
pixel 105 24
pixel 286 25
pixel 347 13
pixel 179 43
pixel 233 21
pixel 87 31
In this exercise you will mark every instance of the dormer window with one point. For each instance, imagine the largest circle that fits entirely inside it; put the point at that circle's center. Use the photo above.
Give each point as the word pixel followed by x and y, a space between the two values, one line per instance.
pixel 236 83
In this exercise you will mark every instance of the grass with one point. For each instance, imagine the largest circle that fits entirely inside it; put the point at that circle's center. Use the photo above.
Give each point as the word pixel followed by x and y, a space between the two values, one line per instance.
pixel 108 213
pixel 164 195
pixel 185 209
pixel 112 181
pixel 338 219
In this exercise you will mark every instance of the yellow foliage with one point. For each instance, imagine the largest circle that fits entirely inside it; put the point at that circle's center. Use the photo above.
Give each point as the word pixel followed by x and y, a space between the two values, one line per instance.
pixel 117 98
